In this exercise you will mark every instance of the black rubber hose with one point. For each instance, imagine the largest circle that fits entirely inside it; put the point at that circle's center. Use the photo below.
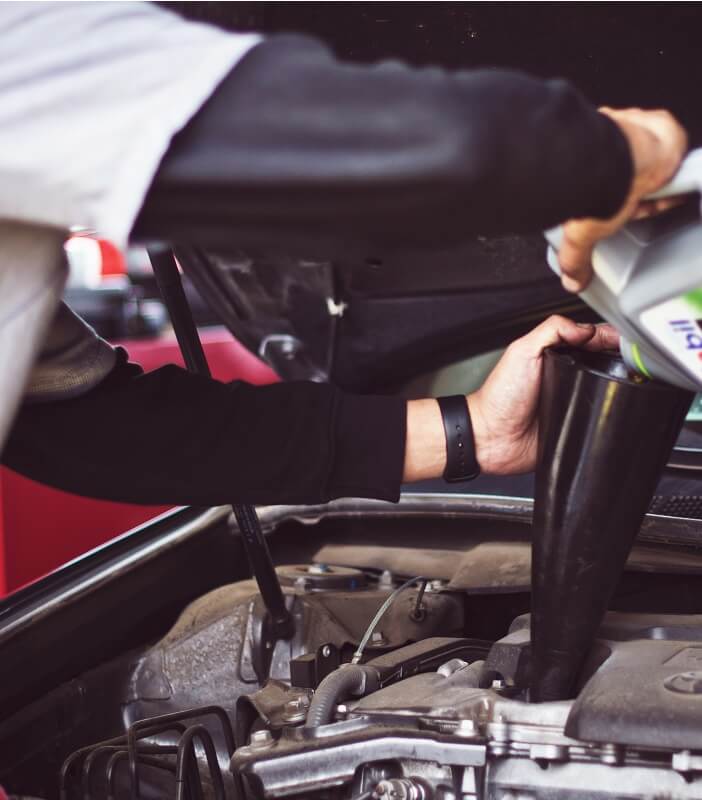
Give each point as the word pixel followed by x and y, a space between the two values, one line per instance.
pixel 350 680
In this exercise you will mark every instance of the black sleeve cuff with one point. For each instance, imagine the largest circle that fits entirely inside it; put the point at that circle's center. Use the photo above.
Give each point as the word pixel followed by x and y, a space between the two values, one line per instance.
pixel 590 168
pixel 610 185
pixel 369 454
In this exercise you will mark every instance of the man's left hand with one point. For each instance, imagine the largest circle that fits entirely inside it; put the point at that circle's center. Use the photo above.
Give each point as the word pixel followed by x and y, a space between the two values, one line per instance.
pixel 504 410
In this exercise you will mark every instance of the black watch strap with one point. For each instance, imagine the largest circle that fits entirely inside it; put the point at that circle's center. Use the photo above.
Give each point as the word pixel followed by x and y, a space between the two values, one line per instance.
pixel 461 463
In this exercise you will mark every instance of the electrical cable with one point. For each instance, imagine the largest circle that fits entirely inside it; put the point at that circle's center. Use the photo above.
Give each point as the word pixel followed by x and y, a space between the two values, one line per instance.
pixel 378 615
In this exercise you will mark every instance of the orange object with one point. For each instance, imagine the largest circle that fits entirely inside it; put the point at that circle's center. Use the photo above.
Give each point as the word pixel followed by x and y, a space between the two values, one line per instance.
pixel 113 262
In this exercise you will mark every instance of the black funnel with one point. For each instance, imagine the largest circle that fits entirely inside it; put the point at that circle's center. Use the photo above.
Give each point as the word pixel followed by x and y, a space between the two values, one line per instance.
pixel 604 438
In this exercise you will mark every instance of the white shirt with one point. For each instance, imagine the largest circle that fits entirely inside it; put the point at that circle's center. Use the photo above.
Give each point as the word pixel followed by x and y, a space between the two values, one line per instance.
pixel 91 94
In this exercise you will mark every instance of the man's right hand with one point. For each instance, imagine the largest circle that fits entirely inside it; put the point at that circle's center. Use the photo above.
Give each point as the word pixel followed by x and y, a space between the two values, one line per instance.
pixel 658 143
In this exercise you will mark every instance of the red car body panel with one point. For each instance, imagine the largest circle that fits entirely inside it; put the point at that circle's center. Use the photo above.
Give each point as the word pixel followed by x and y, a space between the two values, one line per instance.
pixel 42 528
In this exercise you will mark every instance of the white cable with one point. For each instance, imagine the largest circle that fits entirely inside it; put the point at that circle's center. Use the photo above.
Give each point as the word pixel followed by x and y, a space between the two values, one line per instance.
pixel 379 613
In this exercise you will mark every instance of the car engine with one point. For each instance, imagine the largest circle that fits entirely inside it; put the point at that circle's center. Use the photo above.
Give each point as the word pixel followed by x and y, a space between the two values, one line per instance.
pixel 462 729
pixel 425 712
pixel 393 685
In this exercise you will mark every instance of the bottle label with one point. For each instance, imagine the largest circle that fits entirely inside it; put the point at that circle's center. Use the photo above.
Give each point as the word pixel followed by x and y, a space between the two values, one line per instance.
pixel 676 326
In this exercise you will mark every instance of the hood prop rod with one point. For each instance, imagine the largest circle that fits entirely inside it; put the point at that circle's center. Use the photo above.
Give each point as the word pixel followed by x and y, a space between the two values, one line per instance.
pixel 280 624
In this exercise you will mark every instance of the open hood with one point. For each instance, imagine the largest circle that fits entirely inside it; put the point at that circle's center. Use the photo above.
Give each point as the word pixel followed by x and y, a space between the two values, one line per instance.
pixel 373 323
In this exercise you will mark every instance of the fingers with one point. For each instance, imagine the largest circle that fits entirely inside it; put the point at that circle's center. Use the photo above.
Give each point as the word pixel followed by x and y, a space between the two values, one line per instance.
pixel 555 330
pixel 649 208
pixel 575 256
pixel 581 236
pixel 561 330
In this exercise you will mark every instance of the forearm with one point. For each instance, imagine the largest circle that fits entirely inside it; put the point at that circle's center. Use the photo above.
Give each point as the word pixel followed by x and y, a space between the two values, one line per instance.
pixel 175 438
pixel 425 444
pixel 296 147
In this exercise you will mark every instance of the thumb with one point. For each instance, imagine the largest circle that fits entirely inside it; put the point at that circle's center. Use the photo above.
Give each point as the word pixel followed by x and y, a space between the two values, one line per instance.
pixel 555 330
pixel 606 337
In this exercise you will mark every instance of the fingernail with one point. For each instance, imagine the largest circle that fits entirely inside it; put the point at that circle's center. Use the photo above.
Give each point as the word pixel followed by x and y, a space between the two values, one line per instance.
pixel 587 325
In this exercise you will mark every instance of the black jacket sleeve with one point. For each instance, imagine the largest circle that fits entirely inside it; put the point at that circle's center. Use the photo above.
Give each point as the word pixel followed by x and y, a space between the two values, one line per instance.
pixel 295 148
pixel 175 438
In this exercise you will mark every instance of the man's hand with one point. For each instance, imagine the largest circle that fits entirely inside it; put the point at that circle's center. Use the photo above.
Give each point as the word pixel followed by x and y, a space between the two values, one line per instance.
pixel 504 410
pixel 658 143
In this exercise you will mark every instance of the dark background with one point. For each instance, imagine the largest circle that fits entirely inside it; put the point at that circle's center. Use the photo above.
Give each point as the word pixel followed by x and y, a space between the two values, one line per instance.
pixel 620 54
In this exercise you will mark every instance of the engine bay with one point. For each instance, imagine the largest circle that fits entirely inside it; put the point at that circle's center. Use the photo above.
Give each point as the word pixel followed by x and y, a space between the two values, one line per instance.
pixel 436 704
pixel 465 730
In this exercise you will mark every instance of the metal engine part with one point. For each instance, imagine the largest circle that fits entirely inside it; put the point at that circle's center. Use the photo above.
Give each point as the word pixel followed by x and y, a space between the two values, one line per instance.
pixel 209 656
pixel 634 731
pixel 321 576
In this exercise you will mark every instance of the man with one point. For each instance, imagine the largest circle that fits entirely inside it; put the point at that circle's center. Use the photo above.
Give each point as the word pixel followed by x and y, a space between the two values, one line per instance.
pixel 124 118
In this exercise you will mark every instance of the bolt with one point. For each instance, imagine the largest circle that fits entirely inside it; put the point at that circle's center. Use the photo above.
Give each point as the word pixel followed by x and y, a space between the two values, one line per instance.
pixel 385 581
pixel 377 638
pixel 260 740
pixel 467 728
pixel 296 709
pixel 682 761
pixel 685 682
pixel 326 651
pixel 611 754
pixel 548 752
pixel 401 789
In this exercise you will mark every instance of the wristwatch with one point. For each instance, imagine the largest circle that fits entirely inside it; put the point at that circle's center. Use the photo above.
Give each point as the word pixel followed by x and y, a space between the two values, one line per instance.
pixel 461 463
